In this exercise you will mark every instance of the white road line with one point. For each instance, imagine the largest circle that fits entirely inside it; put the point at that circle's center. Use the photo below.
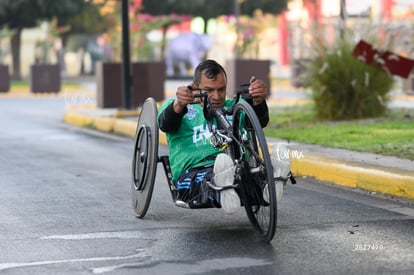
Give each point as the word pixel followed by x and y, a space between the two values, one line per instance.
pixel 141 253
pixel 101 235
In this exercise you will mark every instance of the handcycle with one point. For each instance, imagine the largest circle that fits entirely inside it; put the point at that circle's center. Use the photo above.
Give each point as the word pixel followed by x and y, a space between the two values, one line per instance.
pixel 242 138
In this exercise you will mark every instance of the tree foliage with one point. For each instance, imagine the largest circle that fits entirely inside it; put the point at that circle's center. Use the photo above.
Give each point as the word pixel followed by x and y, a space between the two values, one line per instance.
pixel 19 14
pixel 89 21
pixel 248 7
pixel 212 8
pixel 83 16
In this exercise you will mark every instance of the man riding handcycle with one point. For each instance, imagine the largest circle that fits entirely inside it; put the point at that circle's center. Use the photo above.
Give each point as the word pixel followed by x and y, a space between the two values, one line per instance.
pixel 218 156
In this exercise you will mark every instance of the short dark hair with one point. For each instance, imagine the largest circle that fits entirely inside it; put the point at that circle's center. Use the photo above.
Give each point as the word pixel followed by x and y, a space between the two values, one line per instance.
pixel 209 68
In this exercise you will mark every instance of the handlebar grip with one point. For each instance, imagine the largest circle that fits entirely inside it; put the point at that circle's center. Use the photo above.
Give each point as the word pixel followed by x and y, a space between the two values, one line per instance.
pixel 199 95
pixel 244 91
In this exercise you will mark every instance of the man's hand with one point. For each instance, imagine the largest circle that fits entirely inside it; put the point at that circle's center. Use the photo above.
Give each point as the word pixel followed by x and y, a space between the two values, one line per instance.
pixel 184 96
pixel 257 90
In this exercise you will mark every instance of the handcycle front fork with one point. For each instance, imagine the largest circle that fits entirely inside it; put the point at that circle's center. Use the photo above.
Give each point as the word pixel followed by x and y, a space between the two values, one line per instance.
pixel 167 169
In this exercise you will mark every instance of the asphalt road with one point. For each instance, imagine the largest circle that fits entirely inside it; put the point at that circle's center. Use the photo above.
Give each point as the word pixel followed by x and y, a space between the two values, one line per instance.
pixel 65 208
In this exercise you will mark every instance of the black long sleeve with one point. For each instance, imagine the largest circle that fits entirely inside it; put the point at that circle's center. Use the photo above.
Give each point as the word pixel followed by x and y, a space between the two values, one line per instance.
pixel 262 112
pixel 169 120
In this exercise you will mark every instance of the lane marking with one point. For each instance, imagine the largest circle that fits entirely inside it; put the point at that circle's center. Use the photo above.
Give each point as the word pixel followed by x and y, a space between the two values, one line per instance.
pixel 205 266
pixel 141 253
pixel 100 235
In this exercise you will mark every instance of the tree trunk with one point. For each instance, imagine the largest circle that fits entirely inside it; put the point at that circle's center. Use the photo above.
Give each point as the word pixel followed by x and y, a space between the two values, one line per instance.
pixel 15 42
pixel 205 25
pixel 164 41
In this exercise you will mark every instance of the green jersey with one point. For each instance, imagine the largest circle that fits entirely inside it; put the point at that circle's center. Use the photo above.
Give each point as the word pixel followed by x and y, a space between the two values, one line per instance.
pixel 189 146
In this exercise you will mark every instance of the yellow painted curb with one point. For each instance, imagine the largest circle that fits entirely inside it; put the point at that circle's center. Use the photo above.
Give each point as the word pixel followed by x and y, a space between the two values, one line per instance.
pixel 323 169
pixel 124 113
pixel 125 127
pixel 77 119
pixel 378 179
pixel 105 124
pixel 397 183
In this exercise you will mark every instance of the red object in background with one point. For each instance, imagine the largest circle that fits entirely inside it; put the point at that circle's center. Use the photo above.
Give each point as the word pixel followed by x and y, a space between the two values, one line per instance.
pixel 387 61
pixel 386 9
pixel 184 26
pixel 314 8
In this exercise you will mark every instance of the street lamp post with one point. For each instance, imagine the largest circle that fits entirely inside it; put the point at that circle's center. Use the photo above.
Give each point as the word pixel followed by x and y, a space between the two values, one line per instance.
pixel 126 63
pixel 236 8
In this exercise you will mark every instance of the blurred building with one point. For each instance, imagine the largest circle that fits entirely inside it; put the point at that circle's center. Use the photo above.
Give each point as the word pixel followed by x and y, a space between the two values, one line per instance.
pixel 283 43
pixel 307 19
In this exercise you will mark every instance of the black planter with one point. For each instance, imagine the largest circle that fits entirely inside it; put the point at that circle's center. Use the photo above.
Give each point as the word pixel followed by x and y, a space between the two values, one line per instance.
pixel 4 78
pixel 239 72
pixel 147 81
pixel 45 78
pixel 108 84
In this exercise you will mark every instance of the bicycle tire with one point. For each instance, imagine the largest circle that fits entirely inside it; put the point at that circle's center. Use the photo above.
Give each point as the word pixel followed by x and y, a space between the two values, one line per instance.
pixel 145 158
pixel 256 170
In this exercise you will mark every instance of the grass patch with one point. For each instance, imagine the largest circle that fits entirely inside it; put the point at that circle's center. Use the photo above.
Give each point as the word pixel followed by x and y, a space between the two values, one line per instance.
pixel 391 135
pixel 19 83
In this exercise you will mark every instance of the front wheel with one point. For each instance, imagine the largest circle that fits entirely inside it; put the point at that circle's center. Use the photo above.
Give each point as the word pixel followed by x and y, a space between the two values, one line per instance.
pixel 257 188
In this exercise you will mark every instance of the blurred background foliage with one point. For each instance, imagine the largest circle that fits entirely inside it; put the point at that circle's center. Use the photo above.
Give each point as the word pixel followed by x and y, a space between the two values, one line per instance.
pixel 342 86
pixel 94 17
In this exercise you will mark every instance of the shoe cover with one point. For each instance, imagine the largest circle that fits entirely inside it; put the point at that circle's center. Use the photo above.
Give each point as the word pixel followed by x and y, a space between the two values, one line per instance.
pixel 224 176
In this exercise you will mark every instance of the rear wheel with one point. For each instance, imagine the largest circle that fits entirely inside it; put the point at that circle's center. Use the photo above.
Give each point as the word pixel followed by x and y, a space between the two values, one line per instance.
pixel 145 158
pixel 257 188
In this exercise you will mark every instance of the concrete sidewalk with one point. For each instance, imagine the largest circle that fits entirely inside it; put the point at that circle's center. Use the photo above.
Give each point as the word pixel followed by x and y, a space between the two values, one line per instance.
pixel 375 173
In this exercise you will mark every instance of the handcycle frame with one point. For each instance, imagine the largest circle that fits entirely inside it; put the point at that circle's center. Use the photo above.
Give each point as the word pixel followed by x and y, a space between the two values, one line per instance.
pixel 243 139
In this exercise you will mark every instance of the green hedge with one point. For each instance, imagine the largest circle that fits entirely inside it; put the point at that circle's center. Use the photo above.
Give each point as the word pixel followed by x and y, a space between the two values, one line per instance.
pixel 344 87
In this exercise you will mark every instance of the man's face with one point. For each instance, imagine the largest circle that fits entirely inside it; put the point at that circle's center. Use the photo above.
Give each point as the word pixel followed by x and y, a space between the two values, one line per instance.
pixel 215 88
